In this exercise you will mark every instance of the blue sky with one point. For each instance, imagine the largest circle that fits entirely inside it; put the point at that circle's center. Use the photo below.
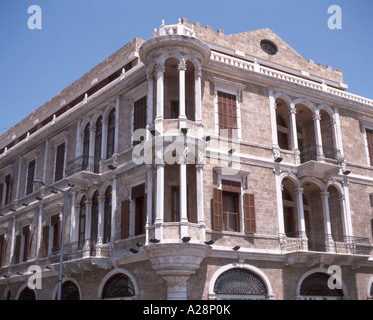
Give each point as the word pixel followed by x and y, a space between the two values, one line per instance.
pixel 76 35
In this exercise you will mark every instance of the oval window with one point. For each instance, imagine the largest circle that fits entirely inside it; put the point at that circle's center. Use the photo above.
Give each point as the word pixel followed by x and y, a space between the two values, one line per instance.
pixel 269 47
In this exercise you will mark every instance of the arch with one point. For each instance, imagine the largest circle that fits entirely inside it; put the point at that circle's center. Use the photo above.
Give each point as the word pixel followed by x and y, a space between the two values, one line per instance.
pixel 7 294
pixel 306 103
pixel 70 295
pixel 284 97
pixel 327 109
pixel 313 180
pixel 108 109
pixel 113 273
pixel 334 184
pixel 292 177
pixel 316 271
pixel 79 197
pixel 96 116
pixel 256 271
pixel 25 293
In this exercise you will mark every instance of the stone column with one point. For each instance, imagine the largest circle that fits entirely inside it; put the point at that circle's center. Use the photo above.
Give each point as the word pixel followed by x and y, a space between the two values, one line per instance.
pixel 101 209
pixel 116 132
pixel 319 151
pixel 159 210
pixel 105 122
pixel 199 191
pixel 88 216
pixel 182 69
pixel 39 232
pixel 329 243
pixel 149 201
pixel 149 111
pixel 293 132
pixel 183 198
pixel 160 69
pixel 198 95
pixel 301 222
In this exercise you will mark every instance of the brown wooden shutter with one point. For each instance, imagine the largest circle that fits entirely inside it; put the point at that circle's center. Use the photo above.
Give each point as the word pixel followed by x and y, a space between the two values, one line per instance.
pixel 8 190
pixel 45 241
pixel 249 209
pixel 30 176
pixel 125 216
pixel 217 209
pixel 17 249
pixel 369 134
pixel 2 249
pixel 27 241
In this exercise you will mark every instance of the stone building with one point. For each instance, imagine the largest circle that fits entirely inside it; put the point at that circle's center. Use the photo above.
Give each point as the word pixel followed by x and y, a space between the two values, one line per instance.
pixel 196 165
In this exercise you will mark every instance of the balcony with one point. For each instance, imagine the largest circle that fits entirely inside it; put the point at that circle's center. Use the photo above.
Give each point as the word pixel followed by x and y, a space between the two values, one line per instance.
pixel 83 171
pixel 82 249
pixel 319 242
pixel 319 161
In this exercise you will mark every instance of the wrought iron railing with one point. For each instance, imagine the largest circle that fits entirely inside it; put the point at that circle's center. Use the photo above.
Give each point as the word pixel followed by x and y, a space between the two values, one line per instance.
pixel 83 163
pixel 82 249
pixel 314 152
pixel 321 242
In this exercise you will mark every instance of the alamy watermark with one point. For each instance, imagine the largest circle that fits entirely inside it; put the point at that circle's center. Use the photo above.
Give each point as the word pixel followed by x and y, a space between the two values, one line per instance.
pixel 35 20
pixel 335 20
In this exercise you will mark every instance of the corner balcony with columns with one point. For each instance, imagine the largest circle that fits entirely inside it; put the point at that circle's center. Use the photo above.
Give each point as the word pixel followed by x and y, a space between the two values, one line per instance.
pixel 174 59
pixel 311 133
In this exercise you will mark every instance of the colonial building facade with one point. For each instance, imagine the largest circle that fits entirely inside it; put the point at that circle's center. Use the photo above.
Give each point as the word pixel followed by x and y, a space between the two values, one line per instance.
pixel 197 165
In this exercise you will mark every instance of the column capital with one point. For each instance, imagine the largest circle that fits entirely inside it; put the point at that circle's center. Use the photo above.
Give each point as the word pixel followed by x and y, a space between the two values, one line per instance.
pixel 160 68
pixel 299 191
pixel 316 117
pixel 182 66
pixel 324 195
pixel 93 128
pixel 292 110
pixel 197 74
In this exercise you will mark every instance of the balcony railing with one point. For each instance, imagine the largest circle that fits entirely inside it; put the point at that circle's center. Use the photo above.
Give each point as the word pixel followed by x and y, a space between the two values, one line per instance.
pixel 83 163
pixel 314 152
pixel 82 249
pixel 320 242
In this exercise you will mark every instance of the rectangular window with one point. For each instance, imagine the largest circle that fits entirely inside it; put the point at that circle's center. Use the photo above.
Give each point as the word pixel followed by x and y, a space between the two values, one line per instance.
pixel 227 109
pixel 60 162
pixel 139 115
pixel 125 219
pixel 174 108
pixel 45 241
pixel 30 177
pixel 369 134
pixel 231 211
pixel 2 250
pixel 8 189
pixel 282 140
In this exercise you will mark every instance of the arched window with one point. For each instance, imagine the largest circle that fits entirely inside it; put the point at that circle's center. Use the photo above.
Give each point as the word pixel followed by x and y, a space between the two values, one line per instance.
pixel 282 133
pixel 69 291
pixel 98 142
pixel 86 141
pixel 82 221
pixel 289 209
pixel 107 215
pixel 94 217
pixel 315 287
pixel 27 294
pixel 118 286
pixel 110 134
pixel 240 284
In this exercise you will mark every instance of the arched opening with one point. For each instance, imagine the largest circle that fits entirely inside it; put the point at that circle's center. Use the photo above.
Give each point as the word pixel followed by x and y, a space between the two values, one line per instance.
pixel 283 125
pixel 289 208
pixel 110 135
pixel 119 286
pixel 305 133
pixel 98 143
pixel 107 215
pixel 240 284
pixel 94 217
pixel 86 143
pixel 172 89
pixel 82 222
pixel 27 294
pixel 69 291
pixel 315 287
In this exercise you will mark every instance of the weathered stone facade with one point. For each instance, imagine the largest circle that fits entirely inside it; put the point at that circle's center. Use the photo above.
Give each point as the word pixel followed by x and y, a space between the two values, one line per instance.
pixel 289 190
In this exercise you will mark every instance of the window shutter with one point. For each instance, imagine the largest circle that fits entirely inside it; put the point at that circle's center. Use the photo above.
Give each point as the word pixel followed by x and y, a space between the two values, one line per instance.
pixel 60 158
pixel 17 249
pixel 125 219
pixel 369 134
pixel 249 208
pixel 8 191
pixel 44 252
pixel 217 210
